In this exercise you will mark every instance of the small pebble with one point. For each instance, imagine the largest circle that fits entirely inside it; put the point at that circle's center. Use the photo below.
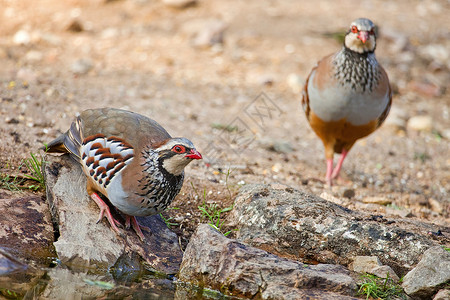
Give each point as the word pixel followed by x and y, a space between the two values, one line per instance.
pixel 22 37
pixel 420 123
pixel 436 206
pixel 377 200
pixel 82 66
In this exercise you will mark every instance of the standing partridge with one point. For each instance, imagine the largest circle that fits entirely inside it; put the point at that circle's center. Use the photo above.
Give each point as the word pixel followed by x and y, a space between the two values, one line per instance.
pixel 130 159
pixel 347 95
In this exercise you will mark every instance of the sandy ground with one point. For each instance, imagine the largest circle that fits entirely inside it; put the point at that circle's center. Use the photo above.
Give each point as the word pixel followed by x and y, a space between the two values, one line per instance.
pixel 61 57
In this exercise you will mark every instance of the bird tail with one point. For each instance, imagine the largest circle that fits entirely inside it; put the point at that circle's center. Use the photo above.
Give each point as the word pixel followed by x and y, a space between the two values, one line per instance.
pixel 69 142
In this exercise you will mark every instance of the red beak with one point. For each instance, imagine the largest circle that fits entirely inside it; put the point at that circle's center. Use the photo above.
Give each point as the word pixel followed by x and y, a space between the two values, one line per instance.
pixel 194 154
pixel 363 36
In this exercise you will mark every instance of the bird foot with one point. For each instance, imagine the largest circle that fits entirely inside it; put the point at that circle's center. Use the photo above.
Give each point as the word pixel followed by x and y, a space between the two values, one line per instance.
pixel 105 212
pixel 137 228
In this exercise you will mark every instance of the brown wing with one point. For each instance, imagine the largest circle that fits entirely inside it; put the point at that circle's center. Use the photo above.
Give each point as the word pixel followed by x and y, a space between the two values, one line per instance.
pixel 385 113
pixel 305 97
pixel 322 78
pixel 132 127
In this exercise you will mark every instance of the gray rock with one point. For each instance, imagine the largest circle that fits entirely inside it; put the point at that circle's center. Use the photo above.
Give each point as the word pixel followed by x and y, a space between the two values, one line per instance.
pixel 23 238
pixel 302 226
pixel 214 261
pixel 431 273
pixel 83 243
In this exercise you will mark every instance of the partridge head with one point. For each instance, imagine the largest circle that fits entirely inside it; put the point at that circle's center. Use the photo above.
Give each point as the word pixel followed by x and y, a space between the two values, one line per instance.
pixel 347 95
pixel 128 158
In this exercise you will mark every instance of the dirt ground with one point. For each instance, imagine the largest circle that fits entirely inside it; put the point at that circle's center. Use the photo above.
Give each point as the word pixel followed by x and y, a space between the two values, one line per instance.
pixel 207 69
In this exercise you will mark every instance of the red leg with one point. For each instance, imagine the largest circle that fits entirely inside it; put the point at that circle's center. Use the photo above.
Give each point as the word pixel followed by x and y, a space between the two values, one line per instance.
pixel 105 212
pixel 135 225
pixel 338 167
pixel 329 171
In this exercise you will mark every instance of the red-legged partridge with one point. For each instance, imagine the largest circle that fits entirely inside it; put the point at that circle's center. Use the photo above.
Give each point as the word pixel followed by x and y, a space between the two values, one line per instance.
pixel 347 95
pixel 130 159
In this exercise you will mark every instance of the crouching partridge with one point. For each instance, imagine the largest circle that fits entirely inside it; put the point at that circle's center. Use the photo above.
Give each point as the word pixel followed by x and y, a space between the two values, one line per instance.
pixel 130 159
pixel 347 95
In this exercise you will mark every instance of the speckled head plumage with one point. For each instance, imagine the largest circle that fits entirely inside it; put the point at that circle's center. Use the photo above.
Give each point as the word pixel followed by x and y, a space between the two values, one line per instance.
pixel 361 37
pixel 175 154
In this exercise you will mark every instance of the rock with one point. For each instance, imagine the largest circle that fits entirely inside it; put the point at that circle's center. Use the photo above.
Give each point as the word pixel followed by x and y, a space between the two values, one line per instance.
pixel 372 265
pixel 75 26
pixel 401 212
pixel 84 243
pixel 329 197
pixel 22 37
pixel 205 32
pixel 430 274
pixel 302 226
pixel 82 66
pixel 349 193
pixel 214 261
pixel 26 227
pixel 384 272
pixel 179 3
pixel 363 264
pixel 442 295
pixel 420 123
pixel 380 200
pixel 436 206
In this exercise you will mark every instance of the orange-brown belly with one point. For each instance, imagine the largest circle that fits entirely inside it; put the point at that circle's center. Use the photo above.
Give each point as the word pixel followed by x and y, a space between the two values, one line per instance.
pixel 338 135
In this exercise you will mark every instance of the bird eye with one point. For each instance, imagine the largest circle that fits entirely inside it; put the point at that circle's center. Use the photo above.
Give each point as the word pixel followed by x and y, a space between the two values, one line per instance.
pixel 178 149
pixel 371 32
pixel 354 29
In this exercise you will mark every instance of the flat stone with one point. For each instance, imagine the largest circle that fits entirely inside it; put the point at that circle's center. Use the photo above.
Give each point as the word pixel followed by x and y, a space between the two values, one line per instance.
pixel 301 226
pixel 384 272
pixel 235 269
pixel 363 264
pixel 84 243
pixel 380 200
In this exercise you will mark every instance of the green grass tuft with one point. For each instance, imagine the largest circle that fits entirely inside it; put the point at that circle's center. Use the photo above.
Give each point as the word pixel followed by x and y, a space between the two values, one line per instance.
pixel 34 164
pixel 380 288
pixel 214 214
